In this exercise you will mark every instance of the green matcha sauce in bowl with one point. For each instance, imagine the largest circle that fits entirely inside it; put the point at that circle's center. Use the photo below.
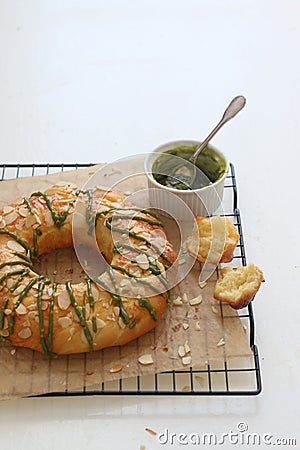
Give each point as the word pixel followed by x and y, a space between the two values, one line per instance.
pixel 175 173
pixel 169 171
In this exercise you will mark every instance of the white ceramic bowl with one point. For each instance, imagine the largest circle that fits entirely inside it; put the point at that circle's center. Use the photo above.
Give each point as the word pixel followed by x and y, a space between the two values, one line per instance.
pixel 201 202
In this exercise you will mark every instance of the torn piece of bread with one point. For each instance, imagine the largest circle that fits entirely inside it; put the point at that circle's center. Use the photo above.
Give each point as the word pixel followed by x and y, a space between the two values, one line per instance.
pixel 213 240
pixel 238 286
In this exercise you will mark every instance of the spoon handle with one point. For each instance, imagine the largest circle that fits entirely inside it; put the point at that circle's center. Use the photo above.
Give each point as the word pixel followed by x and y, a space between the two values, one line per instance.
pixel 233 108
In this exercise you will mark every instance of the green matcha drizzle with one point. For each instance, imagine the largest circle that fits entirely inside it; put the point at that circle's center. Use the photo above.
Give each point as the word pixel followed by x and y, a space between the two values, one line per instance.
pixel 23 274
pixel 58 218
pixel 19 301
pixel 16 263
pixel 3 307
pixel 50 324
pixel 89 293
pixel 94 324
pixel 145 211
pixel 90 220
pixel 123 312
pixel 22 256
pixel 144 303
pixel 35 246
pixel 28 205
pixel 80 316
pixel 11 274
pixel 41 319
pixel 17 239
pixel 139 280
pixel 153 267
pixel 141 218
pixel 117 298
pixel 138 237
pixel 132 324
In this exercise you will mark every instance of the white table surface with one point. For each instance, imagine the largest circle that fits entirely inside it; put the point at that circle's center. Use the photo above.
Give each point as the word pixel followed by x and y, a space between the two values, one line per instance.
pixel 94 80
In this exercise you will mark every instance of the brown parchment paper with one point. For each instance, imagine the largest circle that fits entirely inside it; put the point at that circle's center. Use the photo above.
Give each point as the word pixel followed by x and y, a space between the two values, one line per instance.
pixel 25 372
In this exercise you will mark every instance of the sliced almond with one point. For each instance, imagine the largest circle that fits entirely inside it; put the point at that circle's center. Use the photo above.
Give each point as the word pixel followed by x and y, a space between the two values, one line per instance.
pixel 14 245
pixel 18 290
pixel 145 359
pixel 83 337
pixel 4 333
pixel 49 219
pixel 214 310
pixel 187 347
pixel 2 224
pixel 5 323
pixel 142 261
pixel 25 333
pixel 64 322
pixel 124 282
pixel 50 291
pixel 116 311
pixel 23 211
pixel 186 360
pixel 10 218
pixel 100 323
pixel 185 325
pixel 116 368
pixel 178 301
pixel 202 284
pixel 10 282
pixel 185 298
pixel 44 305
pixel 95 293
pixel 121 323
pixel 221 342
pixel 197 326
pixel 30 220
pixel 7 210
pixel 196 301
pixel 32 315
pixel 63 300
pixel 181 351
pixel 21 309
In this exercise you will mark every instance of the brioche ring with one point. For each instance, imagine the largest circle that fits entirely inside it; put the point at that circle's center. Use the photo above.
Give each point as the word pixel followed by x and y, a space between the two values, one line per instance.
pixel 126 301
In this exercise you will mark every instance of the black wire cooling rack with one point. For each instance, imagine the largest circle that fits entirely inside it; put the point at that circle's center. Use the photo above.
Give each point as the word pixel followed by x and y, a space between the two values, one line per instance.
pixel 241 377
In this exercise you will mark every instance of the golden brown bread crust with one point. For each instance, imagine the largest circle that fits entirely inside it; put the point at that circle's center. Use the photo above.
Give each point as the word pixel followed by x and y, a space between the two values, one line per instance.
pixel 88 316
pixel 238 287
pixel 214 239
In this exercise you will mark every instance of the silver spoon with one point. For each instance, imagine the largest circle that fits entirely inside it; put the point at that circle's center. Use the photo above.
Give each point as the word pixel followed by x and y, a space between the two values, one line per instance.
pixel 233 108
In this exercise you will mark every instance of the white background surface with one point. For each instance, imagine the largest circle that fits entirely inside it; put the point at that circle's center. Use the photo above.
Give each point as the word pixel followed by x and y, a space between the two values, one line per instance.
pixel 96 80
